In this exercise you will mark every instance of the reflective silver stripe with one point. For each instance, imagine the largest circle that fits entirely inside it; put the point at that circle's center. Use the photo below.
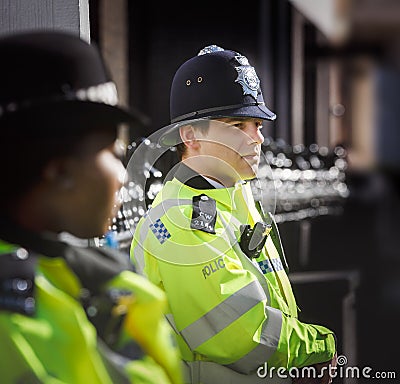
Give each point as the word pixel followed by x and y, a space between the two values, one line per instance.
pixel 272 326
pixel 224 314
pixel 138 254
pixel 154 214
pixel 171 321
pixel 268 344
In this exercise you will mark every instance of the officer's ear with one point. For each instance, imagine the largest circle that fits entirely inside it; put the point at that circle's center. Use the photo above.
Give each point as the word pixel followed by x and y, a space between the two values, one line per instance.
pixel 189 137
pixel 59 173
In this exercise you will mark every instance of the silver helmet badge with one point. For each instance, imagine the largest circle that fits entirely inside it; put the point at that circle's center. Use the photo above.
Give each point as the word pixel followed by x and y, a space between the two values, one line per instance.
pixel 247 77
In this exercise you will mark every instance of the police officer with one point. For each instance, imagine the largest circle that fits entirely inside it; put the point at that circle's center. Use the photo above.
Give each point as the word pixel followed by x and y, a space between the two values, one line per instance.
pixel 68 314
pixel 218 258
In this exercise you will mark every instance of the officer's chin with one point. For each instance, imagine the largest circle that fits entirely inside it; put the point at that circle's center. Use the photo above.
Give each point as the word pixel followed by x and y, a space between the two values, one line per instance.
pixel 250 174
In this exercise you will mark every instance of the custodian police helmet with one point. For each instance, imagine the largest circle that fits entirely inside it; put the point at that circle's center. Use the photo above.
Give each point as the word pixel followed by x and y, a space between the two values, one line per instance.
pixel 214 84
pixel 54 83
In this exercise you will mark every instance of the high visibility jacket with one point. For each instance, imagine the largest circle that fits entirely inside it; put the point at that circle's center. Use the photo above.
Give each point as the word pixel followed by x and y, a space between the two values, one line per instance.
pixel 225 308
pixel 48 338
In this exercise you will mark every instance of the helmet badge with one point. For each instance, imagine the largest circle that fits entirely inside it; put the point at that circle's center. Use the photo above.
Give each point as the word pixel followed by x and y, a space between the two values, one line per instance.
pixel 210 49
pixel 247 77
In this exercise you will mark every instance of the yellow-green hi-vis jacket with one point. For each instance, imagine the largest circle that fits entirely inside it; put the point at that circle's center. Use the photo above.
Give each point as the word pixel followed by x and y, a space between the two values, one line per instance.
pixel 56 327
pixel 232 315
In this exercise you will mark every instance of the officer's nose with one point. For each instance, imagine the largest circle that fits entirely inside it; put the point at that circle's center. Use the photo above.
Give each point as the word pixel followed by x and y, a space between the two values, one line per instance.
pixel 254 132
pixel 121 173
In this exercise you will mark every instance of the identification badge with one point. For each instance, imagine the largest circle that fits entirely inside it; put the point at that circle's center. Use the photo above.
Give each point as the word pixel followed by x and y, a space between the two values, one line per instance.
pixel 204 214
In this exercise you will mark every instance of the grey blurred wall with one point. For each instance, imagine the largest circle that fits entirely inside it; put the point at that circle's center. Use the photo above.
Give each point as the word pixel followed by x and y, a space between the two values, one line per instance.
pixel 26 15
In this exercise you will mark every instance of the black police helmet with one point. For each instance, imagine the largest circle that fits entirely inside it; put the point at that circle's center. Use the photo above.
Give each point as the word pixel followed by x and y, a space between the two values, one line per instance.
pixel 214 84
pixel 54 83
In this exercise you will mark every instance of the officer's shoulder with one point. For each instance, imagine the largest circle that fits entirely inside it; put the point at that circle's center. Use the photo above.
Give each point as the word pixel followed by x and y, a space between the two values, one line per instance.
pixel 95 266
pixel 143 289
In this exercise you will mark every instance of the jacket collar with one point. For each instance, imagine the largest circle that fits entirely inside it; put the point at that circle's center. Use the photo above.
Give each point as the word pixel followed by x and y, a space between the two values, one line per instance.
pixel 43 243
pixel 226 196
pixel 191 178
pixel 94 266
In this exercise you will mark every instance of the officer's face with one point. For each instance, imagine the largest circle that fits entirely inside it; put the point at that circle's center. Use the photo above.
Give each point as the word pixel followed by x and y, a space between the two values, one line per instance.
pixel 230 150
pixel 96 175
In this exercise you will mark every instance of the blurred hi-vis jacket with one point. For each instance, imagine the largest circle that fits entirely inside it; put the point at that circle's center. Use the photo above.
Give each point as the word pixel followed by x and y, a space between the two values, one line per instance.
pixel 56 343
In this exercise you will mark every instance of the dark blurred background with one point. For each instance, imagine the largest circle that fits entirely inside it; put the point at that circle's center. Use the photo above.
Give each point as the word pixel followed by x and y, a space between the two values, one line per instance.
pixel 330 69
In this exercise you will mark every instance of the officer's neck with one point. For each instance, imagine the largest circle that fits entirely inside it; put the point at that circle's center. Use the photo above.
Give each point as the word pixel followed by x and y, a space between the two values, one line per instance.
pixel 217 179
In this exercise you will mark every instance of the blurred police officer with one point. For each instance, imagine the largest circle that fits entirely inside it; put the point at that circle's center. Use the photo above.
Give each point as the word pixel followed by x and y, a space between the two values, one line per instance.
pixel 68 314
pixel 218 258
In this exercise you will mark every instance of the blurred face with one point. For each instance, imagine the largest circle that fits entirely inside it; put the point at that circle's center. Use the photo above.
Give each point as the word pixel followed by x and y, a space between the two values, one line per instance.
pixel 97 176
pixel 229 151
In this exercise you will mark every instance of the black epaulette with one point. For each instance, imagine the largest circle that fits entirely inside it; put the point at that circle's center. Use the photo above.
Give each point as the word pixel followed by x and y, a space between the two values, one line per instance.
pixel 94 266
pixel 17 281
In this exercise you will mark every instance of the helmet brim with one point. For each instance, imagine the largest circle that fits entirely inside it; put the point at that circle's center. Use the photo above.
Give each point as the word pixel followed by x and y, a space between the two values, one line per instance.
pixel 169 135
pixel 68 117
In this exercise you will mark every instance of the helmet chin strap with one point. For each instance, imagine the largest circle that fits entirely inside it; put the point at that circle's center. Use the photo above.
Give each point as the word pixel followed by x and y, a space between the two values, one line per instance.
pixel 214 109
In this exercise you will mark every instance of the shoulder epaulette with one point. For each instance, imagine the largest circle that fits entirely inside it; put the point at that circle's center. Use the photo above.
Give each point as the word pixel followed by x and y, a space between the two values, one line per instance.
pixel 17 281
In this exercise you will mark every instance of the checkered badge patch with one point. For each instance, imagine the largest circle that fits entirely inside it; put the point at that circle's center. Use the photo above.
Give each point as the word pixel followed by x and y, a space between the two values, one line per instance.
pixel 159 230
pixel 268 266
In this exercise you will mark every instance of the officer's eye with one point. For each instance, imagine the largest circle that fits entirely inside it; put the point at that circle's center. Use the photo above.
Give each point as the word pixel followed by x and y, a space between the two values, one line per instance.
pixel 238 125
pixel 242 125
